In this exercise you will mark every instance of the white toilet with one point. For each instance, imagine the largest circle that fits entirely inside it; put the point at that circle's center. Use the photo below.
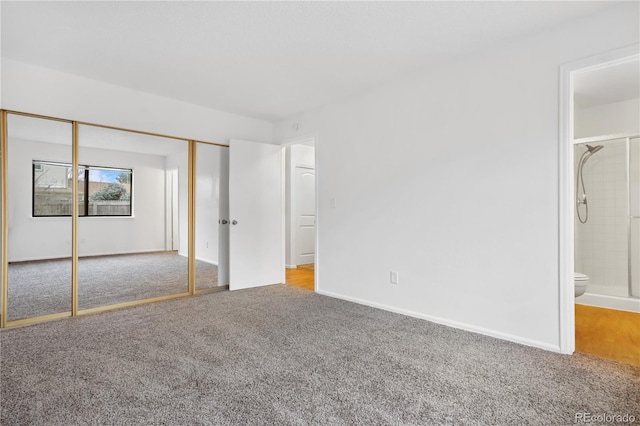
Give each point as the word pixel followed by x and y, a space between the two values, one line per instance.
pixel 581 281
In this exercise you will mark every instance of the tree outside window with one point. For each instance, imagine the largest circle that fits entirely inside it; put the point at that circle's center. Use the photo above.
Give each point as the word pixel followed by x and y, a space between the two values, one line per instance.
pixel 102 191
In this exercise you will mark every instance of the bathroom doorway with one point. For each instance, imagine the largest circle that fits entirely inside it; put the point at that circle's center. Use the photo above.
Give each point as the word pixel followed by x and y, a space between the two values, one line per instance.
pixel 600 210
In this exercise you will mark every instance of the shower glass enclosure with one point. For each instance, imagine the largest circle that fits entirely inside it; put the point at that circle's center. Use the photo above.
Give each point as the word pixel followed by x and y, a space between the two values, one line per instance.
pixel 607 217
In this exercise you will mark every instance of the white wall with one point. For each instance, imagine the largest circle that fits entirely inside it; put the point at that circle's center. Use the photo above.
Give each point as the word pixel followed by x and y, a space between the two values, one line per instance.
pixel 450 177
pixel 607 119
pixel 295 155
pixel 45 91
pixel 43 238
pixel 180 162
pixel 35 89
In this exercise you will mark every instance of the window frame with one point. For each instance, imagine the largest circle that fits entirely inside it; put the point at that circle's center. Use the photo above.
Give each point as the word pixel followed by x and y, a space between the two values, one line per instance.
pixel 85 185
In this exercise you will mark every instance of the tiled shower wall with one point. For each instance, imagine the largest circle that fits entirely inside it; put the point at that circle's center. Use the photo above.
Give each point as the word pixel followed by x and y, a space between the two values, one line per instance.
pixel 602 244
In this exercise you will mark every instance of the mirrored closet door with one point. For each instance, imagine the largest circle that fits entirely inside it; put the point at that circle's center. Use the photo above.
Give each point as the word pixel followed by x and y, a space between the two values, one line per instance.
pixel 96 218
pixel 132 225
pixel 40 203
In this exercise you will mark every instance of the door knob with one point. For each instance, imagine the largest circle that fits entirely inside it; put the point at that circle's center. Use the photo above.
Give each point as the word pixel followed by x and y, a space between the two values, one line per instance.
pixel 223 221
pixel 234 222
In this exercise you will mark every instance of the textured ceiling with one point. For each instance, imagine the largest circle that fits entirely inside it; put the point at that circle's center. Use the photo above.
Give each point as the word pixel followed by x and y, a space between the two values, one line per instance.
pixel 263 59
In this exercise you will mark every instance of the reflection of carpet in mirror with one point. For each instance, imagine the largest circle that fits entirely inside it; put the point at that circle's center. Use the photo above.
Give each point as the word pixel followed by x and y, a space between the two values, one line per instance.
pixel 44 287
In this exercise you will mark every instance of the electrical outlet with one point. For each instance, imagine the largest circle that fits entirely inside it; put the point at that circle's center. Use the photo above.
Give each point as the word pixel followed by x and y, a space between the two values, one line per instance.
pixel 206 244
pixel 394 277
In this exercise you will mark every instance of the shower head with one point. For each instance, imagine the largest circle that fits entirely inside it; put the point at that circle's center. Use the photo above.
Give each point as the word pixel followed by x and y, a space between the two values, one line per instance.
pixel 594 149
pixel 581 200
pixel 589 152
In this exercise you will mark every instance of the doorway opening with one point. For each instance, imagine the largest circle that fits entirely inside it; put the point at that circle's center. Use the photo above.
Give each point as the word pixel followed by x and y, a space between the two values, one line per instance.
pixel 300 213
pixel 599 206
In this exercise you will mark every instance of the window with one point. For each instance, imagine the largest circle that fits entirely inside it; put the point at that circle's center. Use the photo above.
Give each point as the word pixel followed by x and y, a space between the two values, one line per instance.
pixel 102 191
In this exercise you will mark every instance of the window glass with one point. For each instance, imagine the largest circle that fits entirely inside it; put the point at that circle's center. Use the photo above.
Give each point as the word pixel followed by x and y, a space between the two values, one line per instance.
pixel 102 191
pixel 81 194
pixel 109 192
pixel 52 189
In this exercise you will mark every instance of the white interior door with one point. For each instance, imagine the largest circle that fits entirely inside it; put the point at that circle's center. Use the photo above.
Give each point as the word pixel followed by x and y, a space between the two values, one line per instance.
pixel 256 211
pixel 223 226
pixel 305 208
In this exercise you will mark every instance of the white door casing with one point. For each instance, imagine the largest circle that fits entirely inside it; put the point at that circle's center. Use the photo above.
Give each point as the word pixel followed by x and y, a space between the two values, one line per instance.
pixel 566 184
pixel 256 212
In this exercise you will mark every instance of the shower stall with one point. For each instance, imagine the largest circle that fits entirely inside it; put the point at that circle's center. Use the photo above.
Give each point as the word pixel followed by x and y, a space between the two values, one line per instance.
pixel 607 220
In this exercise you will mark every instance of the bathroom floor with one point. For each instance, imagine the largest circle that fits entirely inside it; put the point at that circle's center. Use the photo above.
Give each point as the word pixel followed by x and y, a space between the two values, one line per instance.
pixel 608 333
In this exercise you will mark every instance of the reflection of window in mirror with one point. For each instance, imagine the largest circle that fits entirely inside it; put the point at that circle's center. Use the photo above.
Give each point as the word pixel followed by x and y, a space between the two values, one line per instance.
pixel 102 191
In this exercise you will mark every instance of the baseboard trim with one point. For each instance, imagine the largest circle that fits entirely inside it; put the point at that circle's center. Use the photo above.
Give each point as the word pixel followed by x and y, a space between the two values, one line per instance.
pixel 609 302
pixel 447 322
pixel 85 255
pixel 211 262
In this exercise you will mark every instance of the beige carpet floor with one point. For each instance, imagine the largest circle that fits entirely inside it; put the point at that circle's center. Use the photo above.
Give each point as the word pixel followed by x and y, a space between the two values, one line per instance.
pixel 280 355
